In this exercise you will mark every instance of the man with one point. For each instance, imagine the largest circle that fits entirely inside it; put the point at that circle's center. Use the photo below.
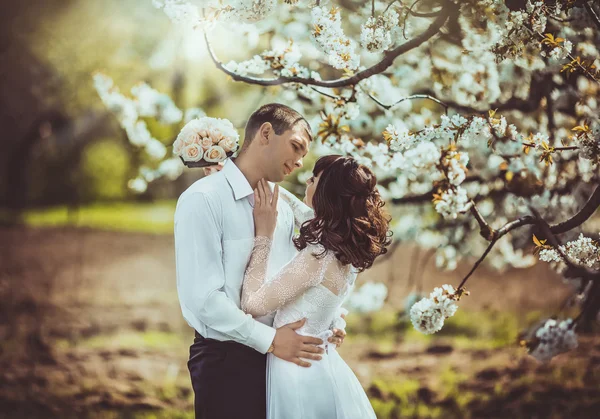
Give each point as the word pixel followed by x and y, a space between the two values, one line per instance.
pixel 214 236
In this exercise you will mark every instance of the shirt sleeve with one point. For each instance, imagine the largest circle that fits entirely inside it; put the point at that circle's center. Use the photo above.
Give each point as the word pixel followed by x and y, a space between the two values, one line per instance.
pixel 260 298
pixel 201 277
pixel 302 212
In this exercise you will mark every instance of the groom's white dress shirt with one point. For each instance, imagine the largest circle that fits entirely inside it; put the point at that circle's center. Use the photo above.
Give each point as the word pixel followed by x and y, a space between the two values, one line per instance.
pixel 214 236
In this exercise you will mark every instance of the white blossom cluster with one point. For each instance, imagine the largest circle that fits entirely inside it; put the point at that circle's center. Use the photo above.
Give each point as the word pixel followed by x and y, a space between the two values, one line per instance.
pixel 255 65
pixel 452 203
pixel 283 61
pixel 589 144
pixel 428 315
pixel 153 104
pixel 180 12
pixel 329 36
pixel 146 102
pixel 516 33
pixel 584 251
pixel 554 338
pixel 376 33
pixel 252 10
pixel 129 110
pixel 559 52
pixel 370 297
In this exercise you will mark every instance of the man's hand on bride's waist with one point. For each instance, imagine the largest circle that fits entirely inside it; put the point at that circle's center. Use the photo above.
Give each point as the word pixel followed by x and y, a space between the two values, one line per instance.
pixel 291 346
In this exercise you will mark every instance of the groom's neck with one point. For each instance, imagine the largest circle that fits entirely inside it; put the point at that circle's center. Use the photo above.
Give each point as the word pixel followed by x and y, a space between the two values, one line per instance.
pixel 249 168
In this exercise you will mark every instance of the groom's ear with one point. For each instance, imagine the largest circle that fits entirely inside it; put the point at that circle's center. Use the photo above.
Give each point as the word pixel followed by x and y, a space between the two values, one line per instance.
pixel 265 132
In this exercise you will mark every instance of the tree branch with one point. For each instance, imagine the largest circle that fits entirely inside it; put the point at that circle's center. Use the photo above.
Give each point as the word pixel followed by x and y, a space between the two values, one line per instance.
pixel 583 215
pixel 485 230
pixel 592 14
pixel 387 61
pixel 493 236
pixel 520 222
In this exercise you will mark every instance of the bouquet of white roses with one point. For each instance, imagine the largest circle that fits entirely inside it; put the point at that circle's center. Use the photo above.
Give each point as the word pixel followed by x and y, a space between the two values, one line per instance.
pixel 206 141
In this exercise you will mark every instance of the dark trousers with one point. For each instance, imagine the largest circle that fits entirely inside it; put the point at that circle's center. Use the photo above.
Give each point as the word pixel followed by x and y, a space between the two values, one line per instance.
pixel 229 380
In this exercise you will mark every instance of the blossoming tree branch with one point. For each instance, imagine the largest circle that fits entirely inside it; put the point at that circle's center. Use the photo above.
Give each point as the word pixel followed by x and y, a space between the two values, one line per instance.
pixel 479 117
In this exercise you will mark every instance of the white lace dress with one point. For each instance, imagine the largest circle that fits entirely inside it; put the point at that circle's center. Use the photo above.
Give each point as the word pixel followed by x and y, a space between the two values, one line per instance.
pixel 313 285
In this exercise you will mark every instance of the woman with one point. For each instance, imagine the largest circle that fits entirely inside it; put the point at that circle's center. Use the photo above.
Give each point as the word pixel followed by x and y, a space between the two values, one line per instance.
pixel 348 231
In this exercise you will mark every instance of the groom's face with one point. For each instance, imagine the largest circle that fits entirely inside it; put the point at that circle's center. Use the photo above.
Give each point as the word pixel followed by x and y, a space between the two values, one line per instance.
pixel 287 151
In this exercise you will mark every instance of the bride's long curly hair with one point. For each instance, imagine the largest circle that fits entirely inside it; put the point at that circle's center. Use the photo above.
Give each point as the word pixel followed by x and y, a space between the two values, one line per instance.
pixel 349 215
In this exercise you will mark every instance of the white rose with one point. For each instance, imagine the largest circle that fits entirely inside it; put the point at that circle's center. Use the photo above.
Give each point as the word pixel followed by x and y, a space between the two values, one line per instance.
pixel 178 146
pixel 206 143
pixel 190 133
pixel 215 134
pixel 215 154
pixel 228 144
pixel 192 152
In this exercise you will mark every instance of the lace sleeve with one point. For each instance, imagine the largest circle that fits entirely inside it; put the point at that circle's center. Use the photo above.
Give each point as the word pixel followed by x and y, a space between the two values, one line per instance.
pixel 301 273
pixel 302 212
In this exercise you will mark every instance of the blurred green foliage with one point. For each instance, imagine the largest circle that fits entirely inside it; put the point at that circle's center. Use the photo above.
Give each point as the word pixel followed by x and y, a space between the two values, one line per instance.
pixel 132 42
pixel 153 217
pixel 105 165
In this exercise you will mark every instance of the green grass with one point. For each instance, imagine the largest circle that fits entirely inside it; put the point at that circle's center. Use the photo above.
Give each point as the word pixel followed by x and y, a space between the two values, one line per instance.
pixel 154 217
pixel 482 330
pixel 399 400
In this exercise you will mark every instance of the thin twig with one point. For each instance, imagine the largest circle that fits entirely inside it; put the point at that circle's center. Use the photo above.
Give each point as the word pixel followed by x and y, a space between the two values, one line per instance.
pixel 388 7
pixel 411 97
pixel 592 14
pixel 572 147
pixel 560 19
pixel 325 94
pixel 507 228
pixel 490 246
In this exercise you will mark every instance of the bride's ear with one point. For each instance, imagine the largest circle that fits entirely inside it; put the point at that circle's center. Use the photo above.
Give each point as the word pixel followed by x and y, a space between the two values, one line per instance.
pixel 266 132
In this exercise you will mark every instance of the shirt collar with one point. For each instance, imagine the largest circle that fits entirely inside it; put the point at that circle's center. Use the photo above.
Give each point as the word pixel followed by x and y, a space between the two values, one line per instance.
pixel 237 180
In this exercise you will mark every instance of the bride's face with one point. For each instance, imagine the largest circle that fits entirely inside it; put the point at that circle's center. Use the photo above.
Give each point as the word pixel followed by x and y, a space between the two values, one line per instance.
pixel 311 187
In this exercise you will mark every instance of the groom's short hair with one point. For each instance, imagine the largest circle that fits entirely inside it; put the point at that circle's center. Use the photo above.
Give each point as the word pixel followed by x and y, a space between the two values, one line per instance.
pixel 281 118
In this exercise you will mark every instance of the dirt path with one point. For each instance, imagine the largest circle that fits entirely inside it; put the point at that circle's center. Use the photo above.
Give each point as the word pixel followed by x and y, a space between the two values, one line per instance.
pixel 91 323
